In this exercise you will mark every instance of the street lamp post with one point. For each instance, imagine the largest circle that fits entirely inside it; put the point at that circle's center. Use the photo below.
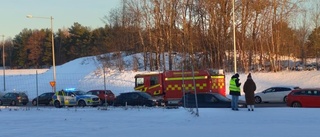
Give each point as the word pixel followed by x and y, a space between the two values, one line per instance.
pixel 52 46
pixel 234 39
pixel 4 65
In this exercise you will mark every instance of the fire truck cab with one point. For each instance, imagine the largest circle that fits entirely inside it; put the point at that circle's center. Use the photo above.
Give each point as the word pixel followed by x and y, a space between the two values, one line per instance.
pixel 171 85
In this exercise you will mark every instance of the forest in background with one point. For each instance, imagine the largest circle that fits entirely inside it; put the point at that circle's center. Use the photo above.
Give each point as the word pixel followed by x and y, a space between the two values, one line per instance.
pixel 200 30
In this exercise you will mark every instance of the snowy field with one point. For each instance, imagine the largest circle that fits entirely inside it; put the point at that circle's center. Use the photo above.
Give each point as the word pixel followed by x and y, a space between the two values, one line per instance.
pixel 159 122
pixel 11 72
pixel 154 122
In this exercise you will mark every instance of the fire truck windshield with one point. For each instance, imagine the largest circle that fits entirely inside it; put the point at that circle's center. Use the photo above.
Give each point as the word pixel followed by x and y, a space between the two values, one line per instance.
pixel 139 81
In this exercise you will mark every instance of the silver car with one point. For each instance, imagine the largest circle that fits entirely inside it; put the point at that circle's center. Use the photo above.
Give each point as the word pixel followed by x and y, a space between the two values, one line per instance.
pixel 274 94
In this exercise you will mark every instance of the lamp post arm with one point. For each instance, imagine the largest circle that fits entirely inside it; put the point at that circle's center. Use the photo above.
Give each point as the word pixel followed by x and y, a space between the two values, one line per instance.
pixel 30 16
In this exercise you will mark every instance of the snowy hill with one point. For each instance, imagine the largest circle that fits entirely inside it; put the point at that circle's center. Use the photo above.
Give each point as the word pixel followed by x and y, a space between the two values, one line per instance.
pixel 86 73
pixel 83 73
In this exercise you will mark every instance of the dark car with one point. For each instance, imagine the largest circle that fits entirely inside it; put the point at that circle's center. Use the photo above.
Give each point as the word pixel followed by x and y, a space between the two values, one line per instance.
pixel 44 99
pixel 135 99
pixel 14 98
pixel 104 95
pixel 207 100
pixel 307 97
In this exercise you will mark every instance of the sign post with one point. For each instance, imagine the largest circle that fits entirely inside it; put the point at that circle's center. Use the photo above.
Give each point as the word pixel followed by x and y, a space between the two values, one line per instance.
pixel 53 84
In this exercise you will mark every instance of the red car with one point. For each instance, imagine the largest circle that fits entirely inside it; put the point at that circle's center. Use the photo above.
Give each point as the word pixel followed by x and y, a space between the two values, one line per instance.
pixel 104 95
pixel 308 97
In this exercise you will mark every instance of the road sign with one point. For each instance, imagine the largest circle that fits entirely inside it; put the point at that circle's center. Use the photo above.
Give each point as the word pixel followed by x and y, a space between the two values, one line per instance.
pixel 52 83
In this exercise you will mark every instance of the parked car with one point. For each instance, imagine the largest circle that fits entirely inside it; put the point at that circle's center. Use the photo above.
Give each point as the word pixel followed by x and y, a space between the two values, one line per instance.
pixel 73 97
pixel 44 99
pixel 308 97
pixel 274 94
pixel 14 98
pixel 135 98
pixel 298 68
pixel 1 94
pixel 310 67
pixel 104 96
pixel 207 100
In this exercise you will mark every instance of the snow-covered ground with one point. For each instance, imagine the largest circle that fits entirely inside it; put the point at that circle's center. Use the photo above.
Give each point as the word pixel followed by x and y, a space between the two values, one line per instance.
pixel 159 122
pixel 153 122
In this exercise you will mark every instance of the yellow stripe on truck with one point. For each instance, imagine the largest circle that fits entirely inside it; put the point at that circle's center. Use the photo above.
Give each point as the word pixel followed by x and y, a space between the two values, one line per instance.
pixel 139 88
pixel 156 92
pixel 158 85
pixel 217 85
pixel 186 78
pixel 217 76
pixel 187 87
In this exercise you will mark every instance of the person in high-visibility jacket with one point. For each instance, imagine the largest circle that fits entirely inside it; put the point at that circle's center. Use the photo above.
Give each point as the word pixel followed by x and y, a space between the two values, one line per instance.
pixel 234 88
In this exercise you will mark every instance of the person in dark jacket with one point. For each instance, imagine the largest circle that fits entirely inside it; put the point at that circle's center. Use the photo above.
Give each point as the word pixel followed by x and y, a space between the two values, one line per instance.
pixel 234 88
pixel 248 88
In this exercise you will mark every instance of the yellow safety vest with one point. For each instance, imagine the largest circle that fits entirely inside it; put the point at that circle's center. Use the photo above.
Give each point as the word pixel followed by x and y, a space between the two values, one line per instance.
pixel 233 85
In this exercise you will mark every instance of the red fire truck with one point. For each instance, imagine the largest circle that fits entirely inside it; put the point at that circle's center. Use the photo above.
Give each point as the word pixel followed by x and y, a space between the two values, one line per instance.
pixel 170 85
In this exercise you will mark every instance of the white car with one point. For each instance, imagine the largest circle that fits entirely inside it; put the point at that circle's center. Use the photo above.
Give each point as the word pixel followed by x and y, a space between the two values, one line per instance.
pixel 274 94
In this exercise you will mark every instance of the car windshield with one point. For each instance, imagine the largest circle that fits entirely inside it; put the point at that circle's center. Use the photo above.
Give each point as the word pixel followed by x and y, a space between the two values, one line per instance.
pixel 106 91
pixel 222 98
pixel 22 94
pixel 79 92
pixel 296 88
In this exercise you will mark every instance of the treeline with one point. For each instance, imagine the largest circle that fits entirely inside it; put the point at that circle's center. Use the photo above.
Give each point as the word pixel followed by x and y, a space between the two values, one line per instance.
pixel 32 48
pixel 202 30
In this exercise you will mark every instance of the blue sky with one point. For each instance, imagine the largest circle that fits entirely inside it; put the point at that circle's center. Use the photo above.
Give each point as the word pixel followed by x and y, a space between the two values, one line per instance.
pixel 65 13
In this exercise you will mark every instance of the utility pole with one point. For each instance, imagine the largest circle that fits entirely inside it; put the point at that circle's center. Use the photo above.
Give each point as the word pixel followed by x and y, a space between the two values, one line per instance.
pixel 4 64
